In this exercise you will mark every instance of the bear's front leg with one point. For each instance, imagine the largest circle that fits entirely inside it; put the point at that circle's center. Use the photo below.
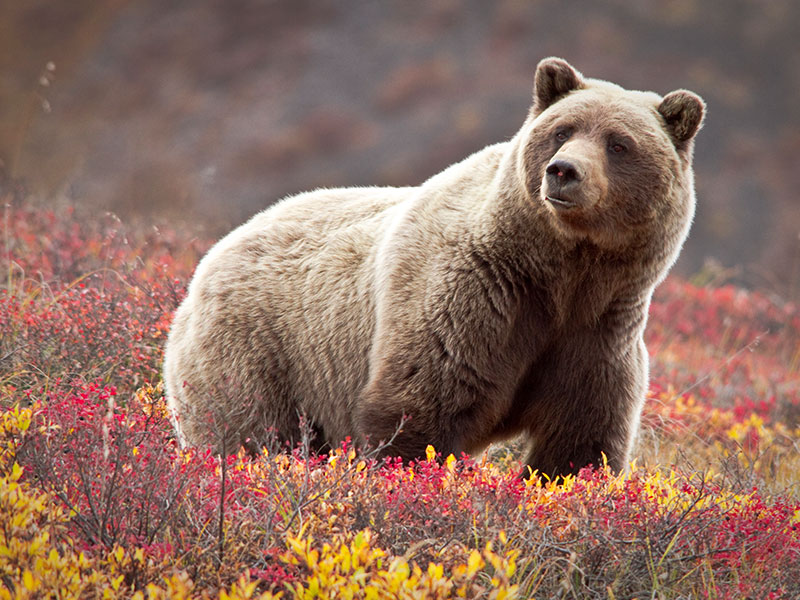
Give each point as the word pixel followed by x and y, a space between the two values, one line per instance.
pixel 588 406
pixel 397 407
pixel 449 344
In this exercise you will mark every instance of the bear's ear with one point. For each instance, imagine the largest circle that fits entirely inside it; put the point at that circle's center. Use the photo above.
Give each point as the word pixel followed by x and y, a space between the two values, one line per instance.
pixel 683 112
pixel 555 78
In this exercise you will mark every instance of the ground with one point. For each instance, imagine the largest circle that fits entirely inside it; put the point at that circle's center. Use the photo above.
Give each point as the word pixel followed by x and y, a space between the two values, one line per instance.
pixel 95 496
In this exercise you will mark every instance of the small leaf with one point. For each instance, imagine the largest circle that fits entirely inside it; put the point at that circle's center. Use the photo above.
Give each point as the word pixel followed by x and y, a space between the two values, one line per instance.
pixel 450 461
pixel 430 453
pixel 474 563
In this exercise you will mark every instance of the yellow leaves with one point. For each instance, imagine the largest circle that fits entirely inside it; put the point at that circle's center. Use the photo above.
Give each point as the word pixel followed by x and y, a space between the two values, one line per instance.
pixel 339 458
pixel 152 399
pixel 179 586
pixel 25 553
pixel 22 418
pixel 505 593
pixel 115 583
pixel 511 567
pixel 16 419
pixel 351 567
pixel 344 569
pixel 299 546
pixel 501 567
pixel 28 582
pixel 400 570
pixel 450 462
pixel 740 431
pixel 338 570
pixel 244 590
pixel 312 558
pixel 345 558
pixel 435 571
pixel 29 560
pixel 14 423
pixel 430 453
pixel 532 478
pixel 475 563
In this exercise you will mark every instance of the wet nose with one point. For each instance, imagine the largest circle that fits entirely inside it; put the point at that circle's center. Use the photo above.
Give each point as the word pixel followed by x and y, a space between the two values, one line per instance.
pixel 563 171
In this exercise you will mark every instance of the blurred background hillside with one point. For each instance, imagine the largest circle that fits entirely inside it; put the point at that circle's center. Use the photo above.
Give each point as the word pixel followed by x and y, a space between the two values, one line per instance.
pixel 205 111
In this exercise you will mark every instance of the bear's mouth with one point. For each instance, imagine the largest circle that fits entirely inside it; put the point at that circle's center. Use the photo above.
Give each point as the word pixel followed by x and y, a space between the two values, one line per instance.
pixel 560 203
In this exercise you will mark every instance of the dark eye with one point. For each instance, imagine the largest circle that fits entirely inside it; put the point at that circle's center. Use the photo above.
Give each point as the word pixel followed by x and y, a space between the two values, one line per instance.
pixel 616 148
pixel 562 135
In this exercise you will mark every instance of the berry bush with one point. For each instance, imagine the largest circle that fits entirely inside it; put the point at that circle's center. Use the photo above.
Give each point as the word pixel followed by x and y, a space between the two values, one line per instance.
pixel 98 501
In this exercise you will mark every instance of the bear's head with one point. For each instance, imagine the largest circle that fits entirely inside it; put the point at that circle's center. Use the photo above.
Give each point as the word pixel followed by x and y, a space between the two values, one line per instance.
pixel 609 165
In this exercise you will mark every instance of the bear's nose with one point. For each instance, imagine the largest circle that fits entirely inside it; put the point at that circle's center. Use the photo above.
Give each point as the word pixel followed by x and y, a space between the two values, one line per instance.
pixel 563 171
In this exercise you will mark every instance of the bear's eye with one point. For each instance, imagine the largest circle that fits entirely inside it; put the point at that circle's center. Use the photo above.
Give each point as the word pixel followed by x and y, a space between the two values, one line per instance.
pixel 562 135
pixel 616 148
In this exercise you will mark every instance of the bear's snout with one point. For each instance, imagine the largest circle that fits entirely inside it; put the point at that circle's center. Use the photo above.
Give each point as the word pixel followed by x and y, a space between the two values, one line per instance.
pixel 563 172
pixel 563 180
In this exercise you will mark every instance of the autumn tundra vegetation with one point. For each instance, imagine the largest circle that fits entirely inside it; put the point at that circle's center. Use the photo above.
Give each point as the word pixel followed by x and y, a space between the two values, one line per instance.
pixel 97 500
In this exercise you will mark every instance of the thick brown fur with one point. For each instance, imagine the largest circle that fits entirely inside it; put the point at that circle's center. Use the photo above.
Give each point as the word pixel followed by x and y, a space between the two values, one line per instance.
pixel 506 295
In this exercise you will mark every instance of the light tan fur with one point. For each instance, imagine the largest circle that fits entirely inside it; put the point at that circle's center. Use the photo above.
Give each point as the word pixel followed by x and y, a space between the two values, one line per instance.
pixel 480 304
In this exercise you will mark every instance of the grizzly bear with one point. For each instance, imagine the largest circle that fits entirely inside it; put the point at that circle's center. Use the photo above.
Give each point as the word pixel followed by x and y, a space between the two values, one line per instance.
pixel 506 295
